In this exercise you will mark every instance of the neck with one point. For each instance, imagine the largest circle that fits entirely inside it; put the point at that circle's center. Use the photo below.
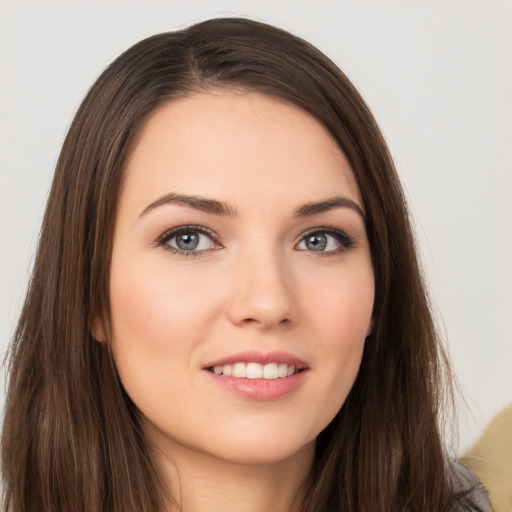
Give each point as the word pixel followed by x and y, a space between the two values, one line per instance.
pixel 200 482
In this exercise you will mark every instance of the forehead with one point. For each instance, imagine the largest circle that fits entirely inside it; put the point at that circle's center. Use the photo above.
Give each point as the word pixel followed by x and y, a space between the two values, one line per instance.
pixel 237 146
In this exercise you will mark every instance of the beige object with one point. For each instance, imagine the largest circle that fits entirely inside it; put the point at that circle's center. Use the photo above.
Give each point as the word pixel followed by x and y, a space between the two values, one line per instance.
pixel 490 459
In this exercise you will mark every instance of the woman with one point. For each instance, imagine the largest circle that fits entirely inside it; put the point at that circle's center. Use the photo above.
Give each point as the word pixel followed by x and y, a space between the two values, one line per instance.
pixel 226 308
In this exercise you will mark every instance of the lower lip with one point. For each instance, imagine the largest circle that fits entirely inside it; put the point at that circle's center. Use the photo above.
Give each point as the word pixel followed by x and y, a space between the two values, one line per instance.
pixel 260 389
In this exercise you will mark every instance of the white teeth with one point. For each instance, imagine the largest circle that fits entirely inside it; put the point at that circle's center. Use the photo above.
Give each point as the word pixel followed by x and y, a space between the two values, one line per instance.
pixel 270 371
pixel 282 370
pixel 239 370
pixel 256 370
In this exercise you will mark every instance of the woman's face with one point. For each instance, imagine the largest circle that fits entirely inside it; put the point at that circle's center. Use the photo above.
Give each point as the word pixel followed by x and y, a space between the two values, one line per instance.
pixel 241 280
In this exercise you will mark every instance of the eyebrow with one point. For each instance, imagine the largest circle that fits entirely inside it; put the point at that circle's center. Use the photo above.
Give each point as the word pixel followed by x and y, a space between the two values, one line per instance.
pixel 214 207
pixel 203 204
pixel 310 209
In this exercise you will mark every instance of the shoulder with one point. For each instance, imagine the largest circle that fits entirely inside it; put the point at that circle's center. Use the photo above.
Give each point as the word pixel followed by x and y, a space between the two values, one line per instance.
pixel 471 492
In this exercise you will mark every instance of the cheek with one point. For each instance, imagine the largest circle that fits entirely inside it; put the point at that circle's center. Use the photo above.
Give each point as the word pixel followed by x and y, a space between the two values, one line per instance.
pixel 159 318
pixel 343 309
pixel 154 305
pixel 342 320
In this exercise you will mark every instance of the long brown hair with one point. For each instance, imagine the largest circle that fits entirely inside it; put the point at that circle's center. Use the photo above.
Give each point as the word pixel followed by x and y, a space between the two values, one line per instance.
pixel 72 439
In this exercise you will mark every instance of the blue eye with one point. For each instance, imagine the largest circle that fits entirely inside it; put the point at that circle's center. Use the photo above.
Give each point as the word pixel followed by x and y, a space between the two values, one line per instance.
pixel 325 241
pixel 187 240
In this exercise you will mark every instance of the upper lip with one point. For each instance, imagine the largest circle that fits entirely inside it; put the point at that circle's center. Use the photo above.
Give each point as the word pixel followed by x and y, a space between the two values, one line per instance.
pixel 253 356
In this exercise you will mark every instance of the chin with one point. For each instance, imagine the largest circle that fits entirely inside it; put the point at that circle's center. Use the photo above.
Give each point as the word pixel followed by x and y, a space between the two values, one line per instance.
pixel 262 453
pixel 260 445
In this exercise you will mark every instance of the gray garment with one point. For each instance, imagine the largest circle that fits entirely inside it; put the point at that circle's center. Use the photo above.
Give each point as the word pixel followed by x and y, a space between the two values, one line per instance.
pixel 474 495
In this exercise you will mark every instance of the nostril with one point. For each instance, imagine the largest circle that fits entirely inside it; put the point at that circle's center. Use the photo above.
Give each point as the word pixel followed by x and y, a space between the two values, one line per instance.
pixel 265 322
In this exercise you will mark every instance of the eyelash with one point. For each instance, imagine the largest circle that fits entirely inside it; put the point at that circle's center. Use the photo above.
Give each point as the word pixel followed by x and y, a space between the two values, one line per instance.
pixel 181 230
pixel 346 242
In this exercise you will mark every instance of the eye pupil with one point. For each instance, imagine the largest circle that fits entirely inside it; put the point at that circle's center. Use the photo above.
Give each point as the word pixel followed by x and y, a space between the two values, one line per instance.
pixel 316 242
pixel 187 241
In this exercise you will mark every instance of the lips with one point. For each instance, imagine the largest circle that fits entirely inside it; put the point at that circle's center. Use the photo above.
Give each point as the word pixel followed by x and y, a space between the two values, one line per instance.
pixel 258 376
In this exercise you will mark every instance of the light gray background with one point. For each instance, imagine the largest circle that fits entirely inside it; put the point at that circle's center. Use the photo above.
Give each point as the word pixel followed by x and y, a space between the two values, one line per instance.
pixel 437 76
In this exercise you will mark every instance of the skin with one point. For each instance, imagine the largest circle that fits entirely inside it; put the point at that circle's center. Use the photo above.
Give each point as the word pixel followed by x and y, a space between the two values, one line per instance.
pixel 253 285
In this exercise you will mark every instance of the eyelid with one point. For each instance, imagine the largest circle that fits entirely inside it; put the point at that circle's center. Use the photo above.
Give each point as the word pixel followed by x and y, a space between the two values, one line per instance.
pixel 178 230
pixel 163 239
pixel 346 241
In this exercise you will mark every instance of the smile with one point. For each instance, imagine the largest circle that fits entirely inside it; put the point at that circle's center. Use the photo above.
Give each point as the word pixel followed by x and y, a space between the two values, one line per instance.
pixel 253 370
pixel 258 376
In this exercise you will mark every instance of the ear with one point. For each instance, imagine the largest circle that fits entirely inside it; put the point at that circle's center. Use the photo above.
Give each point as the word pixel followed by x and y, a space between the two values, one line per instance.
pixel 98 329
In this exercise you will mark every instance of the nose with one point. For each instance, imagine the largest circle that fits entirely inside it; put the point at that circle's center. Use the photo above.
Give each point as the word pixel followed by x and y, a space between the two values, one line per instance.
pixel 262 293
